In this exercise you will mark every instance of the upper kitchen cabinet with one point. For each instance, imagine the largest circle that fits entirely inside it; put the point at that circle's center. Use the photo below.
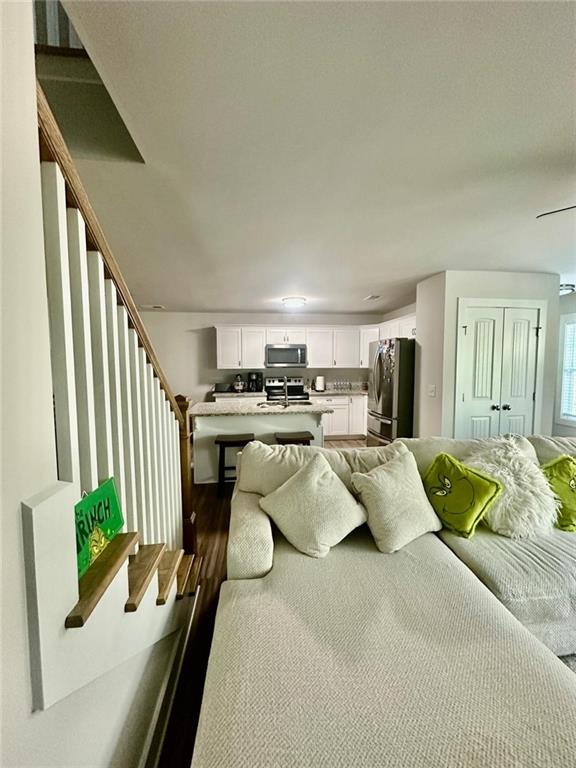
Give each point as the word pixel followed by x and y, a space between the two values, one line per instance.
pixel 320 343
pixel 229 347
pixel 367 336
pixel 407 327
pixel 294 335
pixel 346 347
pixel 253 344
pixel 389 329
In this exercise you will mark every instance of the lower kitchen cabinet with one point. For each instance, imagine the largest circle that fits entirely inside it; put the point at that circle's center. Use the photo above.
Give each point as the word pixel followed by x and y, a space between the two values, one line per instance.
pixel 349 415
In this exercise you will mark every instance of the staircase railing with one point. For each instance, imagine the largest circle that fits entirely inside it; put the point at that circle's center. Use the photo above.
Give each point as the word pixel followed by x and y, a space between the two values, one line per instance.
pixel 115 413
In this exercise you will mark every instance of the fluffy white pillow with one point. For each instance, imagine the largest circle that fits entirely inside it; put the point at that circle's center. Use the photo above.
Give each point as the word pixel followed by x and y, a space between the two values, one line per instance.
pixel 527 506
pixel 396 503
pixel 314 509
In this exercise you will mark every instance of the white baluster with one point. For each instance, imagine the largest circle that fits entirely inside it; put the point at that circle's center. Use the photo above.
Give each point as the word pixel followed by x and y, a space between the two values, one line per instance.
pixel 168 467
pixel 115 386
pixel 146 446
pixel 156 507
pixel 158 397
pixel 137 424
pixel 80 300
pixel 178 482
pixel 127 421
pixel 99 334
pixel 61 337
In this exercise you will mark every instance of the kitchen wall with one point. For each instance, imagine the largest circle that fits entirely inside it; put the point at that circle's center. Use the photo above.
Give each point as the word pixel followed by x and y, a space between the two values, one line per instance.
pixel 185 343
pixel 567 307
pixel 107 722
pixel 436 330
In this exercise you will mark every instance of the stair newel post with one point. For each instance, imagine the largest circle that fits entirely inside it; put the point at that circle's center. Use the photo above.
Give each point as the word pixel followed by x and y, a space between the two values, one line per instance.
pixel 189 543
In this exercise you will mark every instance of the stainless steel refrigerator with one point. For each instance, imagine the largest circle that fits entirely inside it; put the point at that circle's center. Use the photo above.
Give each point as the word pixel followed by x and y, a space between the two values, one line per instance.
pixel 390 390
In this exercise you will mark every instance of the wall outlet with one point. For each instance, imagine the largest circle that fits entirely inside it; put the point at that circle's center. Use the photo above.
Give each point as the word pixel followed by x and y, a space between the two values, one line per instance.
pixel 431 391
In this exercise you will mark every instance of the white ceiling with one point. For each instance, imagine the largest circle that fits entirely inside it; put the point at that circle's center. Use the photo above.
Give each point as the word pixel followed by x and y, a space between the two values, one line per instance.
pixel 333 150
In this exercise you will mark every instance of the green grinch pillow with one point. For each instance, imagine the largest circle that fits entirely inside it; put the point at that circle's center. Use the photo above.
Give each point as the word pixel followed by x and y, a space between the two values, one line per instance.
pixel 561 475
pixel 460 495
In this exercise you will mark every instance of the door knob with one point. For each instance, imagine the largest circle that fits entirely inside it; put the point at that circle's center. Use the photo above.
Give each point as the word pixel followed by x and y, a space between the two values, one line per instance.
pixel 495 407
pixel 506 407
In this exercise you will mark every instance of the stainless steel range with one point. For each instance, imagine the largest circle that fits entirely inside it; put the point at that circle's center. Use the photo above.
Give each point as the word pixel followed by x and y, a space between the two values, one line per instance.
pixel 285 388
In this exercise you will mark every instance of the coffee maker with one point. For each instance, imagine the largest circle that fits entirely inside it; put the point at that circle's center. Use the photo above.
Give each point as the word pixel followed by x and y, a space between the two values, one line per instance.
pixel 255 381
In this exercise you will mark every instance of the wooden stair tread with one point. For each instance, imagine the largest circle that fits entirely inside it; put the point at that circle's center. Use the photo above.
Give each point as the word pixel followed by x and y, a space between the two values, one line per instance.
pixel 167 571
pixel 141 571
pixel 99 576
pixel 183 574
pixel 194 575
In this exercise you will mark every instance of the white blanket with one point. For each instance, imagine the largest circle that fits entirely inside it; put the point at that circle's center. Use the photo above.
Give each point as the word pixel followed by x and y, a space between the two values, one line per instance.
pixel 366 659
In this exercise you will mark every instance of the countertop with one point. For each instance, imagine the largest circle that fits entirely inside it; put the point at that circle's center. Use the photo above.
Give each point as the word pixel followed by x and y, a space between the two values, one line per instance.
pixel 312 393
pixel 243 408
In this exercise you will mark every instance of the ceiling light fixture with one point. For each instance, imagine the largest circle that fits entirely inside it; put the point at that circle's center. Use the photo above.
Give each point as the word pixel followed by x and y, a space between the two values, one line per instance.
pixel 294 302
pixel 566 288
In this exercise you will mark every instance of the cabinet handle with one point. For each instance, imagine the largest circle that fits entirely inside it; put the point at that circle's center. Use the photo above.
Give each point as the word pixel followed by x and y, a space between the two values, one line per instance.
pixel 494 407
pixel 506 407
pixel 239 364
pixel 334 362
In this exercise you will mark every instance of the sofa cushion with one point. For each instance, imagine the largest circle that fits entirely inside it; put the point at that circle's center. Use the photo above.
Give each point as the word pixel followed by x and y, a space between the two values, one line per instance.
pixel 395 502
pixel 534 578
pixel 561 474
pixel 548 448
pixel 527 506
pixel 263 468
pixel 425 449
pixel 314 509
pixel 250 549
pixel 460 495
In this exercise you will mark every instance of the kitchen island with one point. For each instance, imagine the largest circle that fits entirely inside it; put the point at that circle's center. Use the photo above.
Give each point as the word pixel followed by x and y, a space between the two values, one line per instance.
pixel 241 416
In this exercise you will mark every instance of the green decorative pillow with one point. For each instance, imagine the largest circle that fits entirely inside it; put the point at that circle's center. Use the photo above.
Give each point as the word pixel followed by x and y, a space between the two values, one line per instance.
pixel 460 495
pixel 561 475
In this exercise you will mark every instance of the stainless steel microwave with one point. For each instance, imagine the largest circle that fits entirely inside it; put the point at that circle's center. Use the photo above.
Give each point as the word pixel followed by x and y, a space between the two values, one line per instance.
pixel 286 356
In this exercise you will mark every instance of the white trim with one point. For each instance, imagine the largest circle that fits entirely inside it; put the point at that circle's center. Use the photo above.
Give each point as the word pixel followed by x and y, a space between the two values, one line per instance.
pixel 540 304
pixel 564 320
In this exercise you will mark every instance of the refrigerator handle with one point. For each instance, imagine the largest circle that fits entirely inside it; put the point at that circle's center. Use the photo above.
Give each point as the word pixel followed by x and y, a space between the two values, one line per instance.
pixel 378 374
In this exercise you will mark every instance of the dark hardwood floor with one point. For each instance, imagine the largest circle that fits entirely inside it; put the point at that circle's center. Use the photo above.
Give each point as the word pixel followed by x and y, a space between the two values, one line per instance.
pixel 213 517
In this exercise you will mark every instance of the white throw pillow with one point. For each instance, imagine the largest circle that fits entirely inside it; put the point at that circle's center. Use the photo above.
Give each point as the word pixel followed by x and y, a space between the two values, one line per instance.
pixel 527 506
pixel 264 468
pixel 314 509
pixel 396 503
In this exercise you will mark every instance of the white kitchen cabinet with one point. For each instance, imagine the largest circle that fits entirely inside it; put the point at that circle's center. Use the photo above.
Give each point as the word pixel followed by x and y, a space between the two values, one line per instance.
pixel 407 327
pixel 253 343
pixel 389 329
pixel 358 415
pixel 367 336
pixel 229 347
pixel 337 422
pixel 320 342
pixel 293 335
pixel 346 348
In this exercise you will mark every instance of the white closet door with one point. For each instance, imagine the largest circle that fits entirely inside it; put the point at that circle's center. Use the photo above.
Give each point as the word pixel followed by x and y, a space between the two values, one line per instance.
pixel 520 346
pixel 479 372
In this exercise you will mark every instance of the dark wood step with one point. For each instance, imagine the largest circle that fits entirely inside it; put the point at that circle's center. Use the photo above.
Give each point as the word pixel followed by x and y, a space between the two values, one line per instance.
pixel 141 570
pixel 99 576
pixel 194 575
pixel 167 571
pixel 183 574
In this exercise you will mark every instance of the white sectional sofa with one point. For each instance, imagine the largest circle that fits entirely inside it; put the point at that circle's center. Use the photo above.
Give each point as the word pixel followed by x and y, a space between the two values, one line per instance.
pixel 367 659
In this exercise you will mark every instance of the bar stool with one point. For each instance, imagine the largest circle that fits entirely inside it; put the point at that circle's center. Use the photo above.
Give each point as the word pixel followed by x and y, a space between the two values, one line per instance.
pixel 294 438
pixel 229 441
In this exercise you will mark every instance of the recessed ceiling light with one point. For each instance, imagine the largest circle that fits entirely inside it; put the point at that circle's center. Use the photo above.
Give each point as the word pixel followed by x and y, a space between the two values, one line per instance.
pixel 371 297
pixel 294 302
pixel 566 288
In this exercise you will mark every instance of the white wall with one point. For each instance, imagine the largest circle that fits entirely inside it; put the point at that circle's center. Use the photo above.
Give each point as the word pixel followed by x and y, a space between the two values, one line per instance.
pixel 185 343
pixel 567 307
pixel 436 328
pixel 106 722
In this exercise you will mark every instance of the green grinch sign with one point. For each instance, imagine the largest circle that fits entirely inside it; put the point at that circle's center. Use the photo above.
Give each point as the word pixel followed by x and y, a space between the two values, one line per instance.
pixel 98 520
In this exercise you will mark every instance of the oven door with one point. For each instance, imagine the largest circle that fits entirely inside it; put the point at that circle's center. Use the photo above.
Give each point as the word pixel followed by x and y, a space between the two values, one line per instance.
pixel 286 356
pixel 381 430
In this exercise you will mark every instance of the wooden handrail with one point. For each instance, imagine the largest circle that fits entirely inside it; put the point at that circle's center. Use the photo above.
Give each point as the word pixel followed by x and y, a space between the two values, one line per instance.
pixel 53 149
